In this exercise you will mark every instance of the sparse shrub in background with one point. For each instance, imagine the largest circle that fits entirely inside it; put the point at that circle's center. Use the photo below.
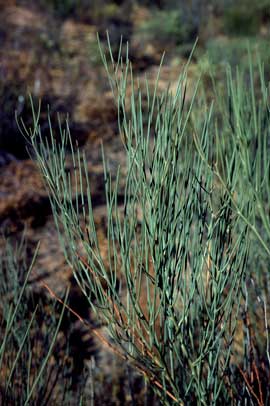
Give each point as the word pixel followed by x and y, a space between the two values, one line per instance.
pixel 63 8
pixel 245 17
pixel 32 362
pixel 107 11
pixel 240 19
pixel 171 26
pixel 176 294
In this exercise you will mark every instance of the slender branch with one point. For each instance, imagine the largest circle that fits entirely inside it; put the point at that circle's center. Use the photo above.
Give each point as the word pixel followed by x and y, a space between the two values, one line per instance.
pixel 110 346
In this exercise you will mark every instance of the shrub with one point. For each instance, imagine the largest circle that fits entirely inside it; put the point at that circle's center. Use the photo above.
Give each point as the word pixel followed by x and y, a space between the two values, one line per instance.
pixel 242 156
pixel 241 18
pixel 178 249
pixel 169 27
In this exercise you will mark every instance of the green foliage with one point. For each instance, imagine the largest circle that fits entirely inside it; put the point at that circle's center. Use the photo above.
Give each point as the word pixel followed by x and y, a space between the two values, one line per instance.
pixel 106 11
pixel 221 52
pixel 245 17
pixel 169 27
pixel 243 119
pixel 241 19
pixel 242 155
pixel 196 199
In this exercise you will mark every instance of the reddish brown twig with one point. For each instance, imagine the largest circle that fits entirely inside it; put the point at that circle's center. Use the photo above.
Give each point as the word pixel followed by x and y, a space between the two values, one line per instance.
pixel 260 401
pixel 259 381
pixel 117 310
pixel 110 346
pixel 93 329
